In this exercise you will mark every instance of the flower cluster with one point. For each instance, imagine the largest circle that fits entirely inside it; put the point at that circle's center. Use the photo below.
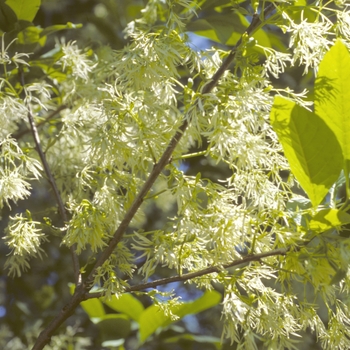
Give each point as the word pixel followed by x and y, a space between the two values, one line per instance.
pixel 24 239
pixel 310 42
pixel 16 168
pixel 75 60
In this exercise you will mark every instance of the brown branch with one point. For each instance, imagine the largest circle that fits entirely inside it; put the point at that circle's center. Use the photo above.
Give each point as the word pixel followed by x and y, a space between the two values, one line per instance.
pixel 208 270
pixel 81 291
pixel 254 25
pixel 164 160
pixel 65 313
pixel 61 208
pixel 191 275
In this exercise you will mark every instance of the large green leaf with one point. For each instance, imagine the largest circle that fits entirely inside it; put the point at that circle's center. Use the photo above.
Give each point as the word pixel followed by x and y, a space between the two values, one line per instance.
pixel 153 318
pixel 192 338
pixel 126 304
pixel 94 308
pixel 113 326
pixel 210 4
pixel 24 9
pixel 332 94
pixel 310 146
pixel 8 17
pixel 218 28
pixel 328 218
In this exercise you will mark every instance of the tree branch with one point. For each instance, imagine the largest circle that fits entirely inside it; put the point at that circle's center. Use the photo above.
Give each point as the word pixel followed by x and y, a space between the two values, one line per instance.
pixel 191 275
pixel 164 160
pixel 208 270
pixel 61 208
pixel 254 26
pixel 82 290
pixel 66 312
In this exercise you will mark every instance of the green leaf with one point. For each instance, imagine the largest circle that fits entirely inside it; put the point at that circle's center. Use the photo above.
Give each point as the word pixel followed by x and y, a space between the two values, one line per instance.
pixel 327 219
pixel 332 94
pixel 210 4
pixel 50 70
pixel 296 206
pixel 216 28
pixel 225 29
pixel 297 203
pixel 113 326
pixel 126 304
pixel 195 339
pixel 153 318
pixel 298 7
pixel 310 146
pixel 8 17
pixel 94 308
pixel 24 9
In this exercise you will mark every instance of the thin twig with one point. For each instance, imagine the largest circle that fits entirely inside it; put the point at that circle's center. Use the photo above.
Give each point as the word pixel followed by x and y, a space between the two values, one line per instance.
pixel 51 179
pixel 191 275
pixel 65 313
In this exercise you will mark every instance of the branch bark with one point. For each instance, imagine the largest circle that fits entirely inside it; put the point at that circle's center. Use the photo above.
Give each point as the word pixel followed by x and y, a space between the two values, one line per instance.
pixel 82 290
pixel 61 208
pixel 191 275
pixel 164 160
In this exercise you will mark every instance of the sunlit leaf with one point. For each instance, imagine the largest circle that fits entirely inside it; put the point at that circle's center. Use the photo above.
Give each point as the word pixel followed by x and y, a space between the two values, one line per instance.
pixel 153 318
pixel 93 307
pixel 310 146
pixel 225 29
pixel 332 94
pixel 24 9
pixel 126 304
pixel 327 219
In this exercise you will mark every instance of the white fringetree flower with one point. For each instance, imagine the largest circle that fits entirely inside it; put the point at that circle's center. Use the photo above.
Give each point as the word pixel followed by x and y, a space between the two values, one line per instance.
pixel 310 41
pixel 16 169
pixel 24 240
